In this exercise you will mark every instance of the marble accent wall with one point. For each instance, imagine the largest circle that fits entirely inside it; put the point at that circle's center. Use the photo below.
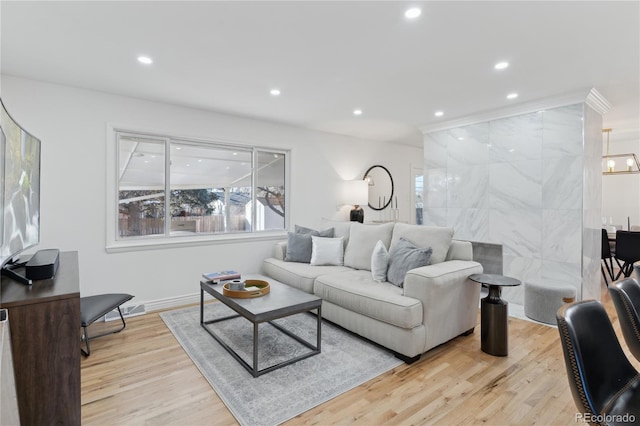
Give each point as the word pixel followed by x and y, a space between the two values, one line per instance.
pixel 592 206
pixel 521 182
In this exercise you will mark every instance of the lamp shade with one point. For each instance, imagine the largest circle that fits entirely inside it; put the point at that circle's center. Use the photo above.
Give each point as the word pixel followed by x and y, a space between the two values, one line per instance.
pixel 355 192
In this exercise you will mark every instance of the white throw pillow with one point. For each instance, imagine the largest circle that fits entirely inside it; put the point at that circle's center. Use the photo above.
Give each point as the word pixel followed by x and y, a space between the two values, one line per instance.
pixel 327 251
pixel 379 262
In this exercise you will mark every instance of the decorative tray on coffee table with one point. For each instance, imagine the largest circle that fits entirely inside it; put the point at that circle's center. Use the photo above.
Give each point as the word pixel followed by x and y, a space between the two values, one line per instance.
pixel 262 289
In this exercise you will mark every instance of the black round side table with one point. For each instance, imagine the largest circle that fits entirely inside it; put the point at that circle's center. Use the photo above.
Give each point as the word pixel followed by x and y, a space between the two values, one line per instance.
pixel 494 335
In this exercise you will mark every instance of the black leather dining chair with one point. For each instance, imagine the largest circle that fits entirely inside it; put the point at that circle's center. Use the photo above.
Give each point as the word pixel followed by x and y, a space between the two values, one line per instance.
pixel 604 384
pixel 627 250
pixel 607 258
pixel 626 299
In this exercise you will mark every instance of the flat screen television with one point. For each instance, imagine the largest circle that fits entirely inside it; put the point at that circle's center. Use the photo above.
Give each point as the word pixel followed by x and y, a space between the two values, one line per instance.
pixel 19 189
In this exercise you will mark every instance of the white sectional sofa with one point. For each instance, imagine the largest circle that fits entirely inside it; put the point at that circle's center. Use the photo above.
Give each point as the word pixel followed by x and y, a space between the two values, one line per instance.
pixel 435 303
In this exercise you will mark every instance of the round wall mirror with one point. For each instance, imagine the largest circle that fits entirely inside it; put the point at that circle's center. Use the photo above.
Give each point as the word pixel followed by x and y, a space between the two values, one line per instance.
pixel 380 187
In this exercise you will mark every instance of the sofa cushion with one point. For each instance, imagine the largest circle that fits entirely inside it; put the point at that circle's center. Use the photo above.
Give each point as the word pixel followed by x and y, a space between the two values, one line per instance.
pixel 362 240
pixel 436 237
pixel 403 257
pixel 298 275
pixel 341 229
pixel 379 262
pixel 327 251
pixel 356 291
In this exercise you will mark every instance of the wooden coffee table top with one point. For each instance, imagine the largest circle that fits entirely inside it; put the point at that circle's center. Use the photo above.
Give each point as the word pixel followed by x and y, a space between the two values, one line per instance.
pixel 281 301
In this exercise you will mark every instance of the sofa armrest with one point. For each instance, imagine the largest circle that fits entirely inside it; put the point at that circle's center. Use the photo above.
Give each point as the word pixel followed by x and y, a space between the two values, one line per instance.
pixel 449 298
pixel 280 250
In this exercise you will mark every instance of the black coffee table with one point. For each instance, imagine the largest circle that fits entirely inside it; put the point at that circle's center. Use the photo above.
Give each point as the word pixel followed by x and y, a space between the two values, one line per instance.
pixel 494 311
pixel 281 301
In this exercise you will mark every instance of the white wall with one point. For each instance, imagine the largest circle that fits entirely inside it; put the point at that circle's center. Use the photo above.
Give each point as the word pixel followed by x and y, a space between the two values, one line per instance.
pixel 621 193
pixel 72 124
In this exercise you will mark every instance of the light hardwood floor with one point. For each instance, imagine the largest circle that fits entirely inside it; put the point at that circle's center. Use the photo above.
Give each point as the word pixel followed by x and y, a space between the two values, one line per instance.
pixel 142 376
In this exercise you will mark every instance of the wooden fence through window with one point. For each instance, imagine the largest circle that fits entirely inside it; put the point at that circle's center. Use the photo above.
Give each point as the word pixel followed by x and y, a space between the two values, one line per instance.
pixel 183 225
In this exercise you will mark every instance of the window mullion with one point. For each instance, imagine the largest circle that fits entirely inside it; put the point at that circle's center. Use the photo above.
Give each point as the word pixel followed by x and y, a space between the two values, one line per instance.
pixel 254 190
pixel 167 187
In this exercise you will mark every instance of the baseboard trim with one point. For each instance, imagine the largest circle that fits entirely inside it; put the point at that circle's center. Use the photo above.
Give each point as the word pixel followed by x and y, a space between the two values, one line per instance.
pixel 174 302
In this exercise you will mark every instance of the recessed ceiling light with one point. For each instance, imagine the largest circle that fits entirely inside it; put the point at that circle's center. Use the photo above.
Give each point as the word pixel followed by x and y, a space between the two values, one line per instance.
pixel 413 13
pixel 145 60
pixel 501 65
pixel 460 138
pixel 178 148
pixel 199 160
pixel 512 95
pixel 438 113
pixel 357 112
pixel 235 153
pixel 275 92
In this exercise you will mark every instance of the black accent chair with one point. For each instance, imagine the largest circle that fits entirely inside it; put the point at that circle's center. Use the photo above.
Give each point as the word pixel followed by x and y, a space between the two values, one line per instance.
pixel 604 384
pixel 94 307
pixel 607 258
pixel 626 299
pixel 627 250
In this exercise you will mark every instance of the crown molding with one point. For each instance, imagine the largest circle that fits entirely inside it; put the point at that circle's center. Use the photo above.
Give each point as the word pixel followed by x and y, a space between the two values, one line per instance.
pixel 589 96
pixel 598 102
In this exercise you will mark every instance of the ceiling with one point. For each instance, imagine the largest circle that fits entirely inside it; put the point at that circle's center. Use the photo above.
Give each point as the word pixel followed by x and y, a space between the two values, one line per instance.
pixel 331 57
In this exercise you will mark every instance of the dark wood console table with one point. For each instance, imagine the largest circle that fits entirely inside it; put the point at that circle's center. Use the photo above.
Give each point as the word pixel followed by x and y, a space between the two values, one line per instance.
pixel 45 341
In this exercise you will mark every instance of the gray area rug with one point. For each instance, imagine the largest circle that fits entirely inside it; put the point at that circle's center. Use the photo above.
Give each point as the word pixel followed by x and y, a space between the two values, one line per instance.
pixel 344 363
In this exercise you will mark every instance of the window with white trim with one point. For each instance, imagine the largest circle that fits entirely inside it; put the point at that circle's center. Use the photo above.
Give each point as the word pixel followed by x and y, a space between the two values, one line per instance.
pixel 170 187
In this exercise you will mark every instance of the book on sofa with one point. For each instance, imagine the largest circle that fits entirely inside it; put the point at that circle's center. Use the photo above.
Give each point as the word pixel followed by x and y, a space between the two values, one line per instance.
pixel 216 277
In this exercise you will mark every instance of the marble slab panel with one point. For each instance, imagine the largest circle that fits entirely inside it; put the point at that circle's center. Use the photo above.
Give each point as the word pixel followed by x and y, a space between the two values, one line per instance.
pixel 516 138
pixel 467 187
pixel 562 273
pixel 593 136
pixel 591 277
pixel 518 230
pixel 562 131
pixel 524 269
pixel 435 149
pixel 516 185
pixel 435 217
pixel 562 235
pixel 435 188
pixel 468 146
pixel 562 183
pixel 469 224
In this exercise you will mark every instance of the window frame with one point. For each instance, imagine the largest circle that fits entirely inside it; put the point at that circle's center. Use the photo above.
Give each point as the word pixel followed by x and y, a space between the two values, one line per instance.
pixel 115 243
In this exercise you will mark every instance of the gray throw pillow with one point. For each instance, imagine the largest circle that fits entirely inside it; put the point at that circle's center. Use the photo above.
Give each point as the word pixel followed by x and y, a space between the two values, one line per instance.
pixel 403 257
pixel 326 233
pixel 298 248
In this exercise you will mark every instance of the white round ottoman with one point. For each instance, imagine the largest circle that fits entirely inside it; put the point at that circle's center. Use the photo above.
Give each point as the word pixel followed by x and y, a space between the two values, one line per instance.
pixel 542 301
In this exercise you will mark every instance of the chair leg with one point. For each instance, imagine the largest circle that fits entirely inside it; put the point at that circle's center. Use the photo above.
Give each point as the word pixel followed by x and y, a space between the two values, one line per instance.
pixel 85 338
pixel 604 274
pixel 608 263
pixel 86 335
